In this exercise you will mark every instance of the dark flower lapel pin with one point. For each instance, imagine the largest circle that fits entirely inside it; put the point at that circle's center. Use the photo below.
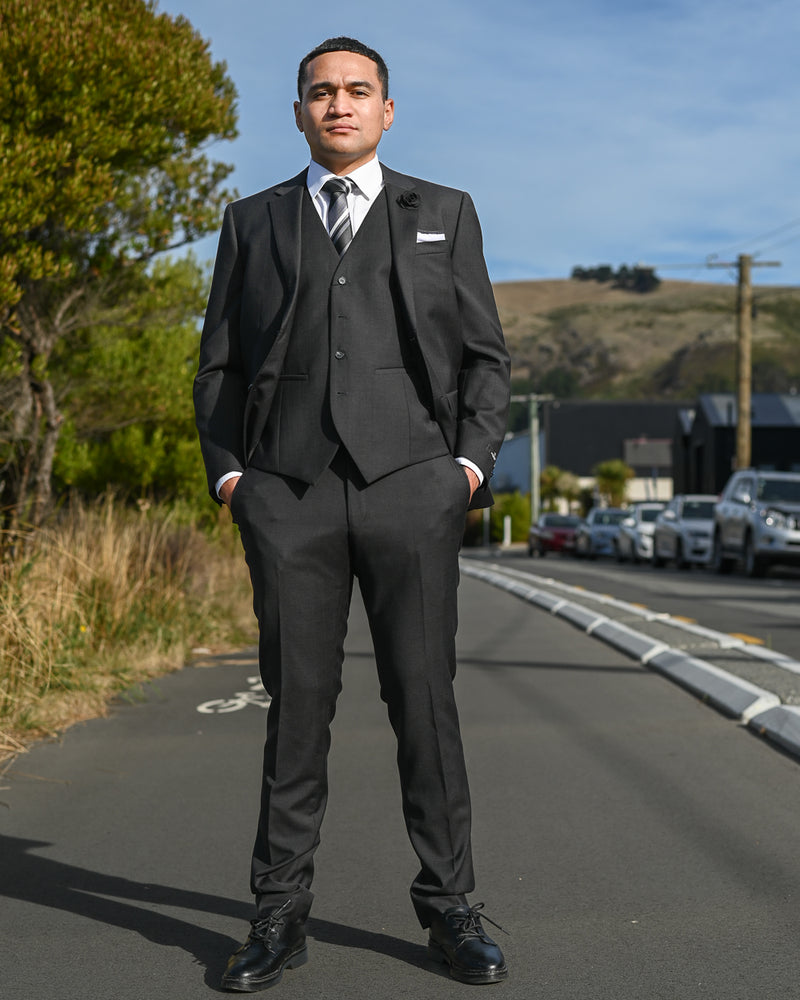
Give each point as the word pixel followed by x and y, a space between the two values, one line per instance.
pixel 408 199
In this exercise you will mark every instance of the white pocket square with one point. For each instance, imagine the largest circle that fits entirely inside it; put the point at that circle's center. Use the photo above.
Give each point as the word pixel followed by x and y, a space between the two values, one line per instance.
pixel 430 237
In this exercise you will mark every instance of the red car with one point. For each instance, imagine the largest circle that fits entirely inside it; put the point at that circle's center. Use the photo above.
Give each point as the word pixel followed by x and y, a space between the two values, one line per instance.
pixel 553 533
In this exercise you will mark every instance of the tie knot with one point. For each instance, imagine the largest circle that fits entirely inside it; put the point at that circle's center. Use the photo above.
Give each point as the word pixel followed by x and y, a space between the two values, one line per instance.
pixel 336 186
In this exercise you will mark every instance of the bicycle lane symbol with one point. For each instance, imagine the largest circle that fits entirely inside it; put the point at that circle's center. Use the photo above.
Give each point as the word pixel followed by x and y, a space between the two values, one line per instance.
pixel 256 695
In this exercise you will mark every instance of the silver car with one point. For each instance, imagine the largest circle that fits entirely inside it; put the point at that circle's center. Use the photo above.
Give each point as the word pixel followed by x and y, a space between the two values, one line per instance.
pixel 757 520
pixel 683 530
pixel 596 533
pixel 635 538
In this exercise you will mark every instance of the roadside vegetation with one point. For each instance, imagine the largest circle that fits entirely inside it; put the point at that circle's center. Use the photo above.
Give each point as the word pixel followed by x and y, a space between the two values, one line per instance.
pixel 103 597
pixel 114 563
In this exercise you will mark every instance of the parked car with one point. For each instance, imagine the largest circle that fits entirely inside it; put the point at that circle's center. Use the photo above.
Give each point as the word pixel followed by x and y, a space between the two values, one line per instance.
pixel 553 533
pixel 683 530
pixel 757 520
pixel 635 538
pixel 596 533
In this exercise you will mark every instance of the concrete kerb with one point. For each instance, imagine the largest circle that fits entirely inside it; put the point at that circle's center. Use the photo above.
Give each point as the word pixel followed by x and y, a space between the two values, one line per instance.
pixel 780 724
pixel 748 704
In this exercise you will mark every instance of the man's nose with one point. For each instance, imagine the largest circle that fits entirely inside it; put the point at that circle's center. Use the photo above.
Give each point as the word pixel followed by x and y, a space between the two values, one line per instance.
pixel 340 105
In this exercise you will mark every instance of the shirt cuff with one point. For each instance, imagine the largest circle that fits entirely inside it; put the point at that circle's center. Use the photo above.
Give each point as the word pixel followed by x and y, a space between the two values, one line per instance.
pixel 223 479
pixel 471 465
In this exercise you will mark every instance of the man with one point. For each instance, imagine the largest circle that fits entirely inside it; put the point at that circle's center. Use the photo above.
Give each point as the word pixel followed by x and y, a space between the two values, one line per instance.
pixel 351 398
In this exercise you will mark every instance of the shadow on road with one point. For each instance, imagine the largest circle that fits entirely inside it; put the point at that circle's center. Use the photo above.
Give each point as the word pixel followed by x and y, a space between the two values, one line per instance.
pixel 27 876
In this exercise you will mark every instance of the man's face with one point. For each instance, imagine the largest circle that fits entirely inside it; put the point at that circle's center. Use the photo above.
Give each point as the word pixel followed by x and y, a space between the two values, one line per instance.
pixel 342 113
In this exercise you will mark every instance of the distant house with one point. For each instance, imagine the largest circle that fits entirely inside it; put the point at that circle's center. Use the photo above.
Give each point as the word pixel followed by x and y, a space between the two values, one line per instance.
pixel 577 434
pixel 704 439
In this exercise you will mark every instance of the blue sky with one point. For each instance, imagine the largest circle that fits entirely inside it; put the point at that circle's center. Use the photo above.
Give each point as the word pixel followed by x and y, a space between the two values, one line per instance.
pixel 587 131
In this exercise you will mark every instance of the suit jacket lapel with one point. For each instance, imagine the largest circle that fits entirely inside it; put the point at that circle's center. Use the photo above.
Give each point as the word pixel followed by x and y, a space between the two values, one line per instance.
pixel 403 237
pixel 403 220
pixel 285 208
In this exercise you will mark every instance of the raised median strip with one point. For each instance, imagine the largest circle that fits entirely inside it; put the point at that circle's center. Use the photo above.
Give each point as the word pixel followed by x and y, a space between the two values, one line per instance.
pixel 599 615
pixel 780 724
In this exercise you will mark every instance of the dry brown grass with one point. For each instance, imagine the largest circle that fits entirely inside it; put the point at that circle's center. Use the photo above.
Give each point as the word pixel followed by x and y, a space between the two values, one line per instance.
pixel 673 342
pixel 103 599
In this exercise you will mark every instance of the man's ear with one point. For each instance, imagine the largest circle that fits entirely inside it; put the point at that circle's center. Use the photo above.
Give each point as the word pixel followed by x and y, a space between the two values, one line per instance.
pixel 298 120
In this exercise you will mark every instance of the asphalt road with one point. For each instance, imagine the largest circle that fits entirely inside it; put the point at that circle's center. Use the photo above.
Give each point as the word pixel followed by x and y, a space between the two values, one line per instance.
pixel 635 844
pixel 767 609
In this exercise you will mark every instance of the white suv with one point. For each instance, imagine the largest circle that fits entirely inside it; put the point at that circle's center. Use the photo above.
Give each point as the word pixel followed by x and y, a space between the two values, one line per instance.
pixel 757 520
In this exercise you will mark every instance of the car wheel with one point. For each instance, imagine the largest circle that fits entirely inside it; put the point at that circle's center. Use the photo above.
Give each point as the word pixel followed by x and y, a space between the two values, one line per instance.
pixel 656 559
pixel 753 566
pixel 542 551
pixel 680 559
pixel 720 563
pixel 618 553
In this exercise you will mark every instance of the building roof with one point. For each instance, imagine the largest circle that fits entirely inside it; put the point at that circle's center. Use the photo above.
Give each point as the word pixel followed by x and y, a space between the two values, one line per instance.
pixel 768 409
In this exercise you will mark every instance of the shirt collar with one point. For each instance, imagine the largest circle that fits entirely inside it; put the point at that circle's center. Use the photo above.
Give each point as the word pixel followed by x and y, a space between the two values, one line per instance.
pixel 367 179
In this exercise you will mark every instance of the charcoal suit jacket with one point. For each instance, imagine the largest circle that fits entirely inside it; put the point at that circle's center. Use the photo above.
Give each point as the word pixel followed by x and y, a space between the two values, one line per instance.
pixel 446 312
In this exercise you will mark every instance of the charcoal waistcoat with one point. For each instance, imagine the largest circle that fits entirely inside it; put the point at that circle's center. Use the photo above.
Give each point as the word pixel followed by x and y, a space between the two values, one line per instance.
pixel 349 377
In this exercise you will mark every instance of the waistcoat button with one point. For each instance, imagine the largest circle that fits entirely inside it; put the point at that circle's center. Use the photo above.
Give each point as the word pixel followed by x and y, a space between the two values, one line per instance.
pixel 342 280
pixel 339 355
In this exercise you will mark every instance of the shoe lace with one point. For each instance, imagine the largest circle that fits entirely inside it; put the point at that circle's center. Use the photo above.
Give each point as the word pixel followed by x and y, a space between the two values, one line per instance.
pixel 472 922
pixel 262 927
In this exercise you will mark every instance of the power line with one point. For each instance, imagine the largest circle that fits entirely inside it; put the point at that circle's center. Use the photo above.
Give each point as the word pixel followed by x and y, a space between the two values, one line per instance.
pixel 779 243
pixel 757 239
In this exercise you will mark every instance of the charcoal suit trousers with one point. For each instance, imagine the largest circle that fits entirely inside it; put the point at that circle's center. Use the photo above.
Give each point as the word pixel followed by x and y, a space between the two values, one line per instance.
pixel 304 545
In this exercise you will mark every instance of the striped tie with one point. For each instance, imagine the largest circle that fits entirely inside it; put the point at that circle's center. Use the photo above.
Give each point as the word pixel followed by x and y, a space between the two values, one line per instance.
pixel 339 227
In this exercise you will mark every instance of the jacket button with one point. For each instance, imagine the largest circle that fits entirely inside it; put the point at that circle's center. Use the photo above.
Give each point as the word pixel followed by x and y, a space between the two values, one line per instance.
pixel 342 280
pixel 339 355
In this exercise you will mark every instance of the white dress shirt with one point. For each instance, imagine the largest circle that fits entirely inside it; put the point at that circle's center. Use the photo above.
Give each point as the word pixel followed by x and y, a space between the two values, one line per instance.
pixel 366 183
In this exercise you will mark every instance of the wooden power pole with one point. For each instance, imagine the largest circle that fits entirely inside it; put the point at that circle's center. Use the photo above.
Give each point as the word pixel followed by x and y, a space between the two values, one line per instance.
pixel 744 367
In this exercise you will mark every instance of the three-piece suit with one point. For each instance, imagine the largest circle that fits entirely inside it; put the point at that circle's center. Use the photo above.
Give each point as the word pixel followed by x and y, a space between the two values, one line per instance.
pixel 344 388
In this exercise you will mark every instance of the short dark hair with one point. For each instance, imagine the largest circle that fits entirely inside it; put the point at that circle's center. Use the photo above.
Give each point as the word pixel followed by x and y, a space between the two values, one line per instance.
pixel 344 44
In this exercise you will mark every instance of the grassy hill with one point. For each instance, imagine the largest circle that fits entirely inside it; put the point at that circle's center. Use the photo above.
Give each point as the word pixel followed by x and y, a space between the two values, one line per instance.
pixel 585 339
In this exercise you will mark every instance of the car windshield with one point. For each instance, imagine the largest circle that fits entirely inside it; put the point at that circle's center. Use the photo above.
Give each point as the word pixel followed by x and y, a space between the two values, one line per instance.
pixel 610 516
pixel 650 513
pixel 697 510
pixel 771 490
pixel 560 521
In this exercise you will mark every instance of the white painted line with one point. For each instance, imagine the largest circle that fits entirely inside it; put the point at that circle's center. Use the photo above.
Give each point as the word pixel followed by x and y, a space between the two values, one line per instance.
pixel 732 695
pixel 722 639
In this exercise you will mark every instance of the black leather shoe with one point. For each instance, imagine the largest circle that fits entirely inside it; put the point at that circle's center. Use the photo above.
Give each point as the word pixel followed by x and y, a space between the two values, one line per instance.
pixel 458 938
pixel 275 943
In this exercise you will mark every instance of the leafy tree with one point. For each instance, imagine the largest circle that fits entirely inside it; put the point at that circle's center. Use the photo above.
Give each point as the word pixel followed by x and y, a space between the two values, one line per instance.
pixel 555 482
pixel 518 508
pixel 105 112
pixel 612 478
pixel 129 423
pixel 548 485
pixel 569 487
pixel 561 382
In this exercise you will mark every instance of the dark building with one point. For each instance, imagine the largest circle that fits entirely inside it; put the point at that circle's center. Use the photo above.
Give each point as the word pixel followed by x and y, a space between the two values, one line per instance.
pixel 577 434
pixel 704 445
pixel 581 433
